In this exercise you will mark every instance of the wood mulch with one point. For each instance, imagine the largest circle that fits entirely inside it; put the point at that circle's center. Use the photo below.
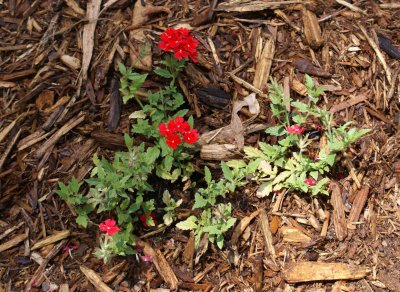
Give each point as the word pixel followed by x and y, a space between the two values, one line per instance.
pixel 60 104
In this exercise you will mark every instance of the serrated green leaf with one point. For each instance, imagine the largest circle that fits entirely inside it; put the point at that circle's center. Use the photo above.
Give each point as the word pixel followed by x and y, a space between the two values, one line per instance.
pixel 264 189
pixel 137 115
pixel 302 107
pixel 188 224
pixel 163 73
pixel 227 171
pixel 82 220
pixel 121 68
pixel 199 201
pixel 276 130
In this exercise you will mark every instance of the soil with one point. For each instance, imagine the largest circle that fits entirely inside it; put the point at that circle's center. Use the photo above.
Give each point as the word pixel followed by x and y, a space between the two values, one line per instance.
pixel 61 104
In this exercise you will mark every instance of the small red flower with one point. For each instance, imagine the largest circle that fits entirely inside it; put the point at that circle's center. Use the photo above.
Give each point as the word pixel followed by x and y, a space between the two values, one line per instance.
pixel 180 42
pixel 310 182
pixel 143 218
pixel 163 129
pixel 181 125
pixel 191 136
pixel 68 247
pixel 173 141
pixel 295 130
pixel 148 258
pixel 110 227
pixel 316 158
pixel 318 127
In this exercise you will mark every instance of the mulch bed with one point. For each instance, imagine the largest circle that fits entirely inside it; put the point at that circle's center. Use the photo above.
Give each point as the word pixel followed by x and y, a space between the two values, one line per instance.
pixel 60 104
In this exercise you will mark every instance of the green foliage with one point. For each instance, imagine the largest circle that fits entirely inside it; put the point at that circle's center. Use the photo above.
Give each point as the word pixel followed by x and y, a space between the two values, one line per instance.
pixel 121 185
pixel 216 218
pixel 170 207
pixel 285 166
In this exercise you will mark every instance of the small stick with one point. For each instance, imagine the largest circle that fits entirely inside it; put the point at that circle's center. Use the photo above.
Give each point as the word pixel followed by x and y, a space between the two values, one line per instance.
pixel 377 51
pixel 351 6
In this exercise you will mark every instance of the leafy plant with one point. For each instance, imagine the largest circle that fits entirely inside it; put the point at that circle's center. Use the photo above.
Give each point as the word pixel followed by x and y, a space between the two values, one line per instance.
pixel 121 185
pixel 286 165
pixel 216 218
pixel 170 207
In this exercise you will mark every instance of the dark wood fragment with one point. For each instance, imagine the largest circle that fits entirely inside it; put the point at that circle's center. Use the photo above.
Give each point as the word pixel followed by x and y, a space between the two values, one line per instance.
pixel 213 97
pixel 307 67
pixel 115 105
pixel 387 46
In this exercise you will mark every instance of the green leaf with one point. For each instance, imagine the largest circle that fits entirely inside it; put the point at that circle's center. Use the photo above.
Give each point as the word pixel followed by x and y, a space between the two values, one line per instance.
pixel 207 175
pixel 188 224
pixel 121 68
pixel 227 171
pixel 137 115
pixel 302 107
pixel 163 73
pixel 199 202
pixel 264 189
pixel 276 130
pixel 252 152
pixel 82 220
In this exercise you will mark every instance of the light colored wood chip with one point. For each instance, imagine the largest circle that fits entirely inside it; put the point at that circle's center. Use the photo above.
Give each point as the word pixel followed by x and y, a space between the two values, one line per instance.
pixel 51 239
pixel 95 279
pixel 339 219
pixel 293 235
pixel 316 271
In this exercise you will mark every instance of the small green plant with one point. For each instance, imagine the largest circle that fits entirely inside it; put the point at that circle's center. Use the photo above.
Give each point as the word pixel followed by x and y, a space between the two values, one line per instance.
pixel 216 218
pixel 288 165
pixel 170 206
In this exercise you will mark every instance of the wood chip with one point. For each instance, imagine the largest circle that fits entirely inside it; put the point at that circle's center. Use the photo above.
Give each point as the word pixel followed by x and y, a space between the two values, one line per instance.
pixel 57 236
pixel 13 242
pixel 339 218
pixel 263 67
pixel 95 279
pixel 267 235
pixel 358 204
pixel 293 235
pixel 316 271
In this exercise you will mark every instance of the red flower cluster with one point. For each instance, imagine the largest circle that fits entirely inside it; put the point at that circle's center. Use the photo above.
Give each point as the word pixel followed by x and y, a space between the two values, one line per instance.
pixel 310 182
pixel 177 129
pixel 110 227
pixel 143 218
pixel 295 130
pixel 180 42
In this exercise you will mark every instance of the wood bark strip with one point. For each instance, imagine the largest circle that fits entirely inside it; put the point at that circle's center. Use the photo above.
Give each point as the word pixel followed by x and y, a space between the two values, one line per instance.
pixel 241 226
pixel 8 149
pixel 92 13
pixel 358 204
pixel 317 271
pixel 339 218
pixel 348 103
pixel 251 5
pixel 95 279
pixel 72 123
pixel 312 31
pixel 13 242
pixel 378 53
pixel 51 239
pixel 161 264
pixel 267 235
pixel 263 67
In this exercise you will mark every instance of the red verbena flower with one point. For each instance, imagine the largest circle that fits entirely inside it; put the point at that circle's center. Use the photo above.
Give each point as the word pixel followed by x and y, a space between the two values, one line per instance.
pixel 295 130
pixel 316 158
pixel 180 42
pixel 148 258
pixel 173 141
pixel 110 227
pixel 310 182
pixel 318 127
pixel 143 218
pixel 190 136
pixel 68 247
pixel 181 125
